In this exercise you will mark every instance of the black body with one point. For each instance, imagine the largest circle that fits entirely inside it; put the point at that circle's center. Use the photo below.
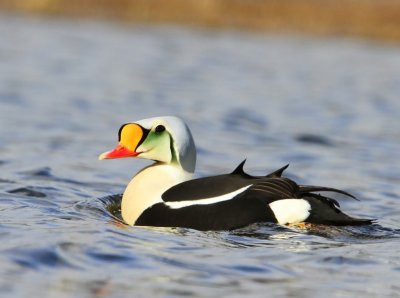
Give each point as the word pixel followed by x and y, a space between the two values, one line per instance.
pixel 247 207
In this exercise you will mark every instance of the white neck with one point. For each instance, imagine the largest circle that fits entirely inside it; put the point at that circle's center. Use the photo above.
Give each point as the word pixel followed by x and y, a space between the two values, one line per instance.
pixel 147 186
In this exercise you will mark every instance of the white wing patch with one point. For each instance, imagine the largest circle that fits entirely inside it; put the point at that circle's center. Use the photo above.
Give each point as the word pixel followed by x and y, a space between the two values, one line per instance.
pixel 207 201
pixel 290 211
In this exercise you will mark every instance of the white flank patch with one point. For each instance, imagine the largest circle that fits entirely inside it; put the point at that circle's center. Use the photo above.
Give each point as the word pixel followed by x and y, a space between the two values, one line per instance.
pixel 207 201
pixel 290 211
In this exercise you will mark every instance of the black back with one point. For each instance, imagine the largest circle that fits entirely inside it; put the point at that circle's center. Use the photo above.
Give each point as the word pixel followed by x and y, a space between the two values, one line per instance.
pixel 247 207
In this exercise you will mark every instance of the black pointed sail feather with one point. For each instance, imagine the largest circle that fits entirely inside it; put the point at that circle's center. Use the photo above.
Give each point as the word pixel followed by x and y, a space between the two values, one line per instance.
pixel 278 173
pixel 239 169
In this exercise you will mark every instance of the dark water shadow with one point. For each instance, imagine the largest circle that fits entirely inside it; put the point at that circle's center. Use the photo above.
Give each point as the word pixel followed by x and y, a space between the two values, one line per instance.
pixel 27 191
pixel 112 205
pixel 314 139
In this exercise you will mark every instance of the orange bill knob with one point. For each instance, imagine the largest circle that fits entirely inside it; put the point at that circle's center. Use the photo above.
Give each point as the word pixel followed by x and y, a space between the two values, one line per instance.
pixel 130 136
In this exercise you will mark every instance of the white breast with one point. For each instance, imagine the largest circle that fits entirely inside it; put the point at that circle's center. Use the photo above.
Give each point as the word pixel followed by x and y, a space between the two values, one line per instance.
pixel 146 188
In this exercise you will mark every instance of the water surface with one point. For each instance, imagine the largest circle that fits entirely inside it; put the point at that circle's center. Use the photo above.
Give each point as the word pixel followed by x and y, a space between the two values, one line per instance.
pixel 329 107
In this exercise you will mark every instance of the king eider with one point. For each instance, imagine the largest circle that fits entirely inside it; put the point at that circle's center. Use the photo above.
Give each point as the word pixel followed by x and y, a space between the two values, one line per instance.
pixel 164 195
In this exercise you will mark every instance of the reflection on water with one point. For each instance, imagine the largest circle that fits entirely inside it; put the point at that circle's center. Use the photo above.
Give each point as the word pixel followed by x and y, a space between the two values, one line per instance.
pixel 328 107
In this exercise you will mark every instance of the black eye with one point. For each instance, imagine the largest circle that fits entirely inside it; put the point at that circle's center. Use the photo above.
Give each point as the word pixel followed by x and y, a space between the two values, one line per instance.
pixel 160 128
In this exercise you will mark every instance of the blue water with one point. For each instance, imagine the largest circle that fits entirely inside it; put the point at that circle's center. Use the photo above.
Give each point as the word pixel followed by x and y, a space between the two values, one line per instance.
pixel 330 107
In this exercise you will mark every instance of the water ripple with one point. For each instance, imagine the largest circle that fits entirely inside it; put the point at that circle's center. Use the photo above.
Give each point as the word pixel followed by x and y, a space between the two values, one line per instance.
pixel 39 257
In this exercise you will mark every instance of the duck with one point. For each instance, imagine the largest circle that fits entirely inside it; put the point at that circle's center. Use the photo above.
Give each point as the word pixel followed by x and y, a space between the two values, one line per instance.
pixel 165 194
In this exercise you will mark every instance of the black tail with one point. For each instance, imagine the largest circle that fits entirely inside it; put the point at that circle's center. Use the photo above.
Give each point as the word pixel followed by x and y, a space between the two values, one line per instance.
pixel 326 211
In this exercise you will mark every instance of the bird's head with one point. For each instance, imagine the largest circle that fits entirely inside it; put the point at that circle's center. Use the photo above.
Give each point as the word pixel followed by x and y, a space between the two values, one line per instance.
pixel 162 139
